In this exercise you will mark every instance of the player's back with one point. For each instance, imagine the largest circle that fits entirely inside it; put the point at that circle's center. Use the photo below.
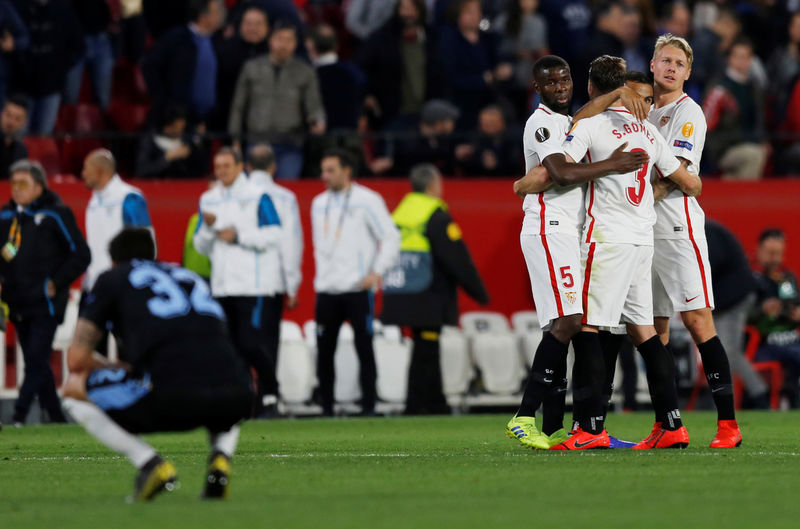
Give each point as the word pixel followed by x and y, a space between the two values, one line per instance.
pixel 619 207
pixel 559 209
pixel 167 322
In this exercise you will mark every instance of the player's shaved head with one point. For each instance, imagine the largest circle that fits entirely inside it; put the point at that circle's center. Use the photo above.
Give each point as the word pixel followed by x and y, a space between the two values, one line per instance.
pixel 552 80
pixel 104 159
pixel 132 243
pixel 607 73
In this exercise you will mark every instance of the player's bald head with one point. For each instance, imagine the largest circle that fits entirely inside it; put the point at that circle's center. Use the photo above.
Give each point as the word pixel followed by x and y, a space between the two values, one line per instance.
pixel 103 160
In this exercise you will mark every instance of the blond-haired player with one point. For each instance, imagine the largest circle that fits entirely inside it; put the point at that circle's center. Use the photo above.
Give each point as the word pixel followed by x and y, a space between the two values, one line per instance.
pixel 681 271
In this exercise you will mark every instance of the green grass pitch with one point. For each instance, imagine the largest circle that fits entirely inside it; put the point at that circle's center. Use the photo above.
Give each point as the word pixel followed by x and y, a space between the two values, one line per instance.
pixel 457 472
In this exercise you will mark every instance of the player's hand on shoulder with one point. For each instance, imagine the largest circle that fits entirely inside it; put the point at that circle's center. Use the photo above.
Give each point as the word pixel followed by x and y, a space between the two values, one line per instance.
pixel 628 161
pixel 635 103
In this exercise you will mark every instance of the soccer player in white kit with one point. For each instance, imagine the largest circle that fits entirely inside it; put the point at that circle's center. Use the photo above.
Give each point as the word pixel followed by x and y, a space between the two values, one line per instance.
pixel 550 244
pixel 617 249
pixel 681 271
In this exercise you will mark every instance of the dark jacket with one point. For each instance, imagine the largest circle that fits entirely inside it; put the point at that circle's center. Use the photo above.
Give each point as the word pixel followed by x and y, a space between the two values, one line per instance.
pixel 341 86
pixel 169 70
pixel 452 267
pixel 151 161
pixel 10 153
pixel 52 248
pixel 381 59
pixel 731 276
pixel 231 56
pixel 56 45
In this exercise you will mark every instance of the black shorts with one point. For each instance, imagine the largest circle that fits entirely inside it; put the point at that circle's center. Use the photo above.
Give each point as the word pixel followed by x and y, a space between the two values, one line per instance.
pixel 137 407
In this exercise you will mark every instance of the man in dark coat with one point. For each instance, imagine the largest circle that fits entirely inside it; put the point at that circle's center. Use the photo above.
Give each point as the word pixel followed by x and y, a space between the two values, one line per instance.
pixel 44 253
pixel 420 291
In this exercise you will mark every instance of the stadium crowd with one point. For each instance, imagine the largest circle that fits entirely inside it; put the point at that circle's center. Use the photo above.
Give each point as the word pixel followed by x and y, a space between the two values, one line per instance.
pixel 398 82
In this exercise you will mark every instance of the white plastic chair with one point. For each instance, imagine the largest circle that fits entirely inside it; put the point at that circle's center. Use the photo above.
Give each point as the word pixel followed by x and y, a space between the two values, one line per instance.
pixel 457 370
pixel 347 387
pixel 526 327
pixel 392 358
pixel 497 356
pixel 295 370
pixel 479 322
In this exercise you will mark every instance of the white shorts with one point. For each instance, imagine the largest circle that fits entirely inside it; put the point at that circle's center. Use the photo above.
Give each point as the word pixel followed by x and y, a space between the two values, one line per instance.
pixel 554 265
pixel 681 276
pixel 617 287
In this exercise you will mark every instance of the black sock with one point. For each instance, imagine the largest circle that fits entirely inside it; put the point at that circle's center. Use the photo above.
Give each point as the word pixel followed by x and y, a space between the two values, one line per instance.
pixel 718 374
pixel 661 378
pixel 588 375
pixel 542 378
pixel 554 404
pixel 611 344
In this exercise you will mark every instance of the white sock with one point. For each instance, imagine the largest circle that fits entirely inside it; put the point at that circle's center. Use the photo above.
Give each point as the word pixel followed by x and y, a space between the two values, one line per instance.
pixel 101 427
pixel 225 442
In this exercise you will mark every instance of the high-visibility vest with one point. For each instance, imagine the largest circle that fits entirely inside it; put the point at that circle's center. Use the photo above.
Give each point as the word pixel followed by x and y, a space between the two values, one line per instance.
pixel 413 271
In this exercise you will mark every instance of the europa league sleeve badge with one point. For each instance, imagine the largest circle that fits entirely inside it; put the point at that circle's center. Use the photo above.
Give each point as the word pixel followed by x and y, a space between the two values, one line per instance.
pixel 542 134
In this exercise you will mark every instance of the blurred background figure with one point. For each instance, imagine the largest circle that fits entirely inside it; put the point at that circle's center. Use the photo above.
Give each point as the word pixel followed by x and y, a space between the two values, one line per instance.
pixel 777 311
pixel 420 290
pixel 12 122
pixel 495 151
pixel 14 40
pixel 98 57
pixel 277 99
pixel 171 151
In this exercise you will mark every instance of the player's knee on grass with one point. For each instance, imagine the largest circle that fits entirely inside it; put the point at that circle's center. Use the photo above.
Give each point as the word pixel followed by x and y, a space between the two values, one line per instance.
pixel 700 324
pixel 75 387
pixel 566 327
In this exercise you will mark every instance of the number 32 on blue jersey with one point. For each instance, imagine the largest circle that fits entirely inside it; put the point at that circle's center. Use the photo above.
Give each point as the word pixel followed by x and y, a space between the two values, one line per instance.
pixel 170 300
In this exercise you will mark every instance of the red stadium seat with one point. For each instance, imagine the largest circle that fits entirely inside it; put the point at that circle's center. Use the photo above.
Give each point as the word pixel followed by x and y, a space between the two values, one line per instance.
pixel 772 371
pixel 128 117
pixel 45 151
pixel 83 117
pixel 74 150
pixel 128 83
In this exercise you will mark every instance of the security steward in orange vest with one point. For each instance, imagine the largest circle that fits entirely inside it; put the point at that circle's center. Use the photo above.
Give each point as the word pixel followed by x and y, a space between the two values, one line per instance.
pixel 420 291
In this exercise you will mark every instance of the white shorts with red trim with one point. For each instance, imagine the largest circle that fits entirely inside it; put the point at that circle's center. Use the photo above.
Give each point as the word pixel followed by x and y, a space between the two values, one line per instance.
pixel 617 285
pixel 681 276
pixel 554 265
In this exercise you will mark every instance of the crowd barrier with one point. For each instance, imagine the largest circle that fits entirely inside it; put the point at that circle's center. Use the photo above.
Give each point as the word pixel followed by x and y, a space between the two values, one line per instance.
pixel 487 211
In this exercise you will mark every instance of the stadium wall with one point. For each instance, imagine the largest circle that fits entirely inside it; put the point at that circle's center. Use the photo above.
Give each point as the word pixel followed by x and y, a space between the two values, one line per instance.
pixel 488 213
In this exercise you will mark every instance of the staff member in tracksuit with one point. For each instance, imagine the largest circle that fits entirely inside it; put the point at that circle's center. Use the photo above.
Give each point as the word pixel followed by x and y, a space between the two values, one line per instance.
pixel 240 232
pixel 355 243
pixel 420 291
pixel 43 253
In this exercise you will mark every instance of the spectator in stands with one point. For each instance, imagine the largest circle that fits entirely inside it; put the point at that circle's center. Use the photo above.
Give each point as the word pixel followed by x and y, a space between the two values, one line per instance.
pixel 341 83
pixel 172 151
pixel 783 69
pixel 181 69
pixel 114 205
pixel 636 50
pixel 277 99
pixel 495 151
pixel 469 59
pixel 573 18
pixel 734 296
pixel 12 123
pixel 355 243
pixel 420 290
pixel 250 41
pixel 777 312
pixel 56 45
pixel 14 40
pixel 734 110
pixel 711 45
pixel 399 61
pixel 523 38
pixel 676 19
pixel 434 144
pixel 362 18
pixel 45 248
pixel 161 16
pixel 98 58
pixel 240 232
pixel 284 11
pixel 132 31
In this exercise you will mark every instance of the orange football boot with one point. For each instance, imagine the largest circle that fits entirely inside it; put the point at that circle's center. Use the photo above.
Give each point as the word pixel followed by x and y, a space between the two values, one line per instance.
pixel 582 440
pixel 728 435
pixel 663 438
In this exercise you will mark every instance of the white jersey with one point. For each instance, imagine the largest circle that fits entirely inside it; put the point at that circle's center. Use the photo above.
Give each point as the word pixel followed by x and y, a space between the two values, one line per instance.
pixel 619 207
pixel 683 125
pixel 559 209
